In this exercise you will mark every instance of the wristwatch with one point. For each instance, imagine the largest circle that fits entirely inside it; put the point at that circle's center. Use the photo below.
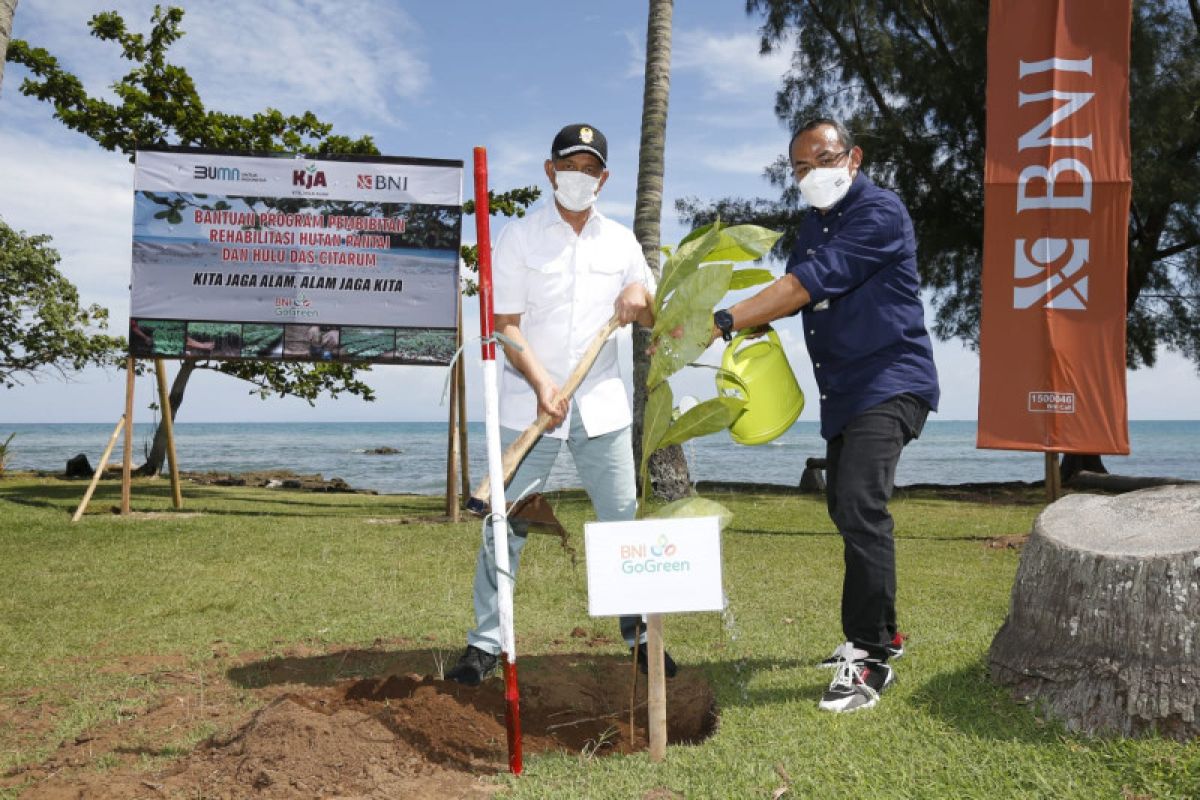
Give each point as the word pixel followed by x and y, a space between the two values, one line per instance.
pixel 724 322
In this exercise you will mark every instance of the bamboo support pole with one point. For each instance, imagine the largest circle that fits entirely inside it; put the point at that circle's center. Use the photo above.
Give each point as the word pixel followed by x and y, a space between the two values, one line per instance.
pixel 656 695
pixel 164 402
pixel 452 454
pixel 127 460
pixel 87 496
pixel 463 452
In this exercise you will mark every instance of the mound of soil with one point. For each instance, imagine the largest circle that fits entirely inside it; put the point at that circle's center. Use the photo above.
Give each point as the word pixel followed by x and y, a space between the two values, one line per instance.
pixel 398 735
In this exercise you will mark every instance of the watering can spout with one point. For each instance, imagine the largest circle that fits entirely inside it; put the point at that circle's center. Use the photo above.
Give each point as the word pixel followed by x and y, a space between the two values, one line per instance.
pixel 759 373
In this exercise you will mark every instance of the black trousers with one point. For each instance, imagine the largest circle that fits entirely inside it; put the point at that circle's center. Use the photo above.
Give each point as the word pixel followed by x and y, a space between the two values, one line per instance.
pixel 860 475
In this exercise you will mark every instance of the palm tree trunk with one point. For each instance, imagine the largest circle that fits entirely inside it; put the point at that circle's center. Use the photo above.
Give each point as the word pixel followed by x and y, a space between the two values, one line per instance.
pixel 8 9
pixel 668 467
pixel 158 450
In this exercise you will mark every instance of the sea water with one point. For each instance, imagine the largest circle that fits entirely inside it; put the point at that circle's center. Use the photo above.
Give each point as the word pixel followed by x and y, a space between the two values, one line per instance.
pixel 945 453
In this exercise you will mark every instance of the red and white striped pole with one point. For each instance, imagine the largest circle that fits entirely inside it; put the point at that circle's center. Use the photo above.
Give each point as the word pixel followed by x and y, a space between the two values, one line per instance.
pixel 491 406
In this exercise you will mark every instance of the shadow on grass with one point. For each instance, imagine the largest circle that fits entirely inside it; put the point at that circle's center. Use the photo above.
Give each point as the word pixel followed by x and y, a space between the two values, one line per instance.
pixel 764 532
pixel 66 496
pixel 968 700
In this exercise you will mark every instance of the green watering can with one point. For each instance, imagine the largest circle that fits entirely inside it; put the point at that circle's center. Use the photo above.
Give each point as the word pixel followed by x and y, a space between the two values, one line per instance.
pixel 760 374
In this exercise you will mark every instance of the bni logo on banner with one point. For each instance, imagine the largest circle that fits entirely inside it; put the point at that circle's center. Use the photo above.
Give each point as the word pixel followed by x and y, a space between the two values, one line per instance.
pixel 653 566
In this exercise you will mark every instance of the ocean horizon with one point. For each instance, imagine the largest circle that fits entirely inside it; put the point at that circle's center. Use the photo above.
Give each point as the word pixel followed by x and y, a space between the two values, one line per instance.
pixel 945 453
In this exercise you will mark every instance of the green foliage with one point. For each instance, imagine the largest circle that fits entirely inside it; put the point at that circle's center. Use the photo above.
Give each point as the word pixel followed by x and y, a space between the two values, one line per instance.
pixel 690 315
pixel 907 80
pixel 715 414
pixel 261 340
pixel 42 326
pixel 367 343
pixel 428 346
pixel 4 453
pixel 694 506
pixel 695 276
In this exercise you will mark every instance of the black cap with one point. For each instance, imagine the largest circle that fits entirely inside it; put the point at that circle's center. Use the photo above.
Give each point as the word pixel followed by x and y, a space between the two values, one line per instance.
pixel 580 138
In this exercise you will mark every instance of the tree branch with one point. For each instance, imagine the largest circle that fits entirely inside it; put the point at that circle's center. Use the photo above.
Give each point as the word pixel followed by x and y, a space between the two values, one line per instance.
pixel 853 56
pixel 1183 247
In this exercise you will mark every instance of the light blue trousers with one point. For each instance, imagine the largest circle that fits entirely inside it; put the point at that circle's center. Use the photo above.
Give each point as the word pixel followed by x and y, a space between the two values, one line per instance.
pixel 605 467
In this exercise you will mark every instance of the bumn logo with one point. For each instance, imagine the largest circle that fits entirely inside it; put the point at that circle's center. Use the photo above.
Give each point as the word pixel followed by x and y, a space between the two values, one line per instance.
pixel 1050 273
pixel 309 177
pixel 204 172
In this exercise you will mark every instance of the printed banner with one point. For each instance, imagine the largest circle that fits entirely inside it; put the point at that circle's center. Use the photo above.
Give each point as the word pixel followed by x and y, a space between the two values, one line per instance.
pixel 351 259
pixel 1056 207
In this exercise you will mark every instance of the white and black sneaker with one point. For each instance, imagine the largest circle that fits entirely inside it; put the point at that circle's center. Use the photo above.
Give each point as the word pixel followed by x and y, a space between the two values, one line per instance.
pixel 895 649
pixel 857 683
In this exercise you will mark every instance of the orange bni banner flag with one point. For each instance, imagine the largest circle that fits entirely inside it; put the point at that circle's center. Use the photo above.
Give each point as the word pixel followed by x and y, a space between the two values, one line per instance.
pixel 1056 215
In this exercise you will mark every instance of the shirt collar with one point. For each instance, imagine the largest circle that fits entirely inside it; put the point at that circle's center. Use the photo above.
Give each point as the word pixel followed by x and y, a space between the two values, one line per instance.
pixel 554 216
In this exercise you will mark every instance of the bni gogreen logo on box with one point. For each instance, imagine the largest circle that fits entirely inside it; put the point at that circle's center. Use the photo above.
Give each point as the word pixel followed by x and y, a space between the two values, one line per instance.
pixel 660 557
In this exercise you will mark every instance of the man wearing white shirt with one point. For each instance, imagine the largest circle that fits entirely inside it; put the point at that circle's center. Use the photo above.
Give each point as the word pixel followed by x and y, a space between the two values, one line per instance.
pixel 558 275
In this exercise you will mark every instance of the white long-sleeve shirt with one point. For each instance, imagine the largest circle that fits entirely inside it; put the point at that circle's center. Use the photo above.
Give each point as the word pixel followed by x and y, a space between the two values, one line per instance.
pixel 564 285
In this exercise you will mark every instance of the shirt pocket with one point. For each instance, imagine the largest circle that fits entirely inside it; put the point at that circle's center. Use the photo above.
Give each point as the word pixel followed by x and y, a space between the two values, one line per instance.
pixel 604 278
pixel 548 277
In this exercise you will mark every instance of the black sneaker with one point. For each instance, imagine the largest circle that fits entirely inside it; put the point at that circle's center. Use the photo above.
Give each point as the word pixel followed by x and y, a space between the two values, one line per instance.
pixel 895 649
pixel 857 683
pixel 472 667
pixel 669 665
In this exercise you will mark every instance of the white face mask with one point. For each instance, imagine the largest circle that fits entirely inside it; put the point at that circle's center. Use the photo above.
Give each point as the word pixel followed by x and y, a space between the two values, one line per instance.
pixel 824 186
pixel 576 191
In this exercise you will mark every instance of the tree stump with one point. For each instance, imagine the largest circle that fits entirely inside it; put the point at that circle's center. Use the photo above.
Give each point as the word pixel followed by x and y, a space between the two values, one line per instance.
pixel 1103 629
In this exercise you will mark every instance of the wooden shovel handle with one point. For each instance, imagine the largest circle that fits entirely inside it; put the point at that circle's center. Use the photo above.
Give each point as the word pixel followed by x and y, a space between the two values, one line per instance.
pixel 516 451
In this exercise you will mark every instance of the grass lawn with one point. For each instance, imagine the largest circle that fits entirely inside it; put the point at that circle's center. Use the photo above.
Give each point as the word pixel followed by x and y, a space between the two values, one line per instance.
pixel 265 571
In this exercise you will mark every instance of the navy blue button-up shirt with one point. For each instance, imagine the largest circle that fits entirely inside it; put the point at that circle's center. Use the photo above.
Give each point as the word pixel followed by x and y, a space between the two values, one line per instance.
pixel 865 325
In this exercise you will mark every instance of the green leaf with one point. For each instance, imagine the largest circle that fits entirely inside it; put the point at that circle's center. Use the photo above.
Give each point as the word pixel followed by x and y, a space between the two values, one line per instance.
pixel 174 217
pixel 700 291
pixel 684 262
pixel 691 310
pixel 698 232
pixel 694 507
pixel 659 405
pixel 708 417
pixel 743 243
pixel 162 214
pixel 745 278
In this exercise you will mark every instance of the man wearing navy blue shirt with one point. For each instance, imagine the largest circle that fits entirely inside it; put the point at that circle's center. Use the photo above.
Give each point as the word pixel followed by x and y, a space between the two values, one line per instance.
pixel 853 277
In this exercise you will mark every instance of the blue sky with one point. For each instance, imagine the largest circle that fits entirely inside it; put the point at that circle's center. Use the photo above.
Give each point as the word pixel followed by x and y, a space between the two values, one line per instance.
pixel 434 80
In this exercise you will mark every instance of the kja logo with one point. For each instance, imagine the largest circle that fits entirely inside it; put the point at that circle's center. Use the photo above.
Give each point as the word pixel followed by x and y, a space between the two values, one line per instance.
pixel 309 177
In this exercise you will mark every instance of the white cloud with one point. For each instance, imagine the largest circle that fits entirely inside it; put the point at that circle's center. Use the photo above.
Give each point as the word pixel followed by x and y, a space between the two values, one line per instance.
pixel 80 197
pixel 750 158
pixel 354 56
pixel 617 209
pixel 730 65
